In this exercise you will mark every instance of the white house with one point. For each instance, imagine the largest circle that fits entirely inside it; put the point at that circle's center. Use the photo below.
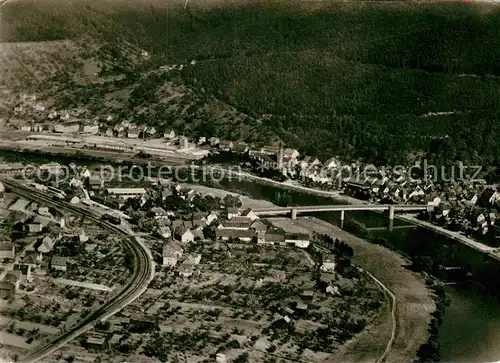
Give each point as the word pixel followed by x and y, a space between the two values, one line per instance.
pixel 328 263
pixel 169 134
pixel 171 253
pixel 91 129
pixel 26 128
pixel 185 235
pixel 212 217
pixel 249 213
pixel 35 227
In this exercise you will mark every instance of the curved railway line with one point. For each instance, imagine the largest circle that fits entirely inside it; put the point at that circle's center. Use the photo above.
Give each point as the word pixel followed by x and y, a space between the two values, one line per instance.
pixel 143 272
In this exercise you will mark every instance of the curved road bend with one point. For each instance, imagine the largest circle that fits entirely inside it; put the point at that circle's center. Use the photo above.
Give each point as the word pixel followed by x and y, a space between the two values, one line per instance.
pixel 143 273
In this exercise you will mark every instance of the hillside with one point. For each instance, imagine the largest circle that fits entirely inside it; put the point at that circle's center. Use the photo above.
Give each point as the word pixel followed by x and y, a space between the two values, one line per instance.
pixel 349 79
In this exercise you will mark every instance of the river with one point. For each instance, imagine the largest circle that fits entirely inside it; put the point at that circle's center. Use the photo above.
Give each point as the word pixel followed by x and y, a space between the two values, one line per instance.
pixel 471 324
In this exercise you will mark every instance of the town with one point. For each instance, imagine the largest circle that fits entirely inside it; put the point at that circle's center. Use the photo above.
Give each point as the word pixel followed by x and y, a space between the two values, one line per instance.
pixel 457 201
pixel 269 286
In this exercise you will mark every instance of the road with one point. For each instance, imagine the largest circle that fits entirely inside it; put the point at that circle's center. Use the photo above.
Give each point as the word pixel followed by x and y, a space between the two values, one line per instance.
pixel 143 271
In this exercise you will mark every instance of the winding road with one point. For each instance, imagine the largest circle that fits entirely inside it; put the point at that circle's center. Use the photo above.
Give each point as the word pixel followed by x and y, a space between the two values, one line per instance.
pixel 143 271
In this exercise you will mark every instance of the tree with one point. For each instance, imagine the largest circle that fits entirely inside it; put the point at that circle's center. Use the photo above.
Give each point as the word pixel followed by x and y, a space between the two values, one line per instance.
pixel 242 358
pixel 232 201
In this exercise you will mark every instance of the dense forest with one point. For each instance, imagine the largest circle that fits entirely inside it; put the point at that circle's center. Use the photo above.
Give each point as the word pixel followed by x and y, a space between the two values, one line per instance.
pixel 384 82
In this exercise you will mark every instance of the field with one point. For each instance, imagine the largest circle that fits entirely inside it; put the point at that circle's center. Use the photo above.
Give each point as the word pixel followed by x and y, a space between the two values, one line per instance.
pixel 338 78
pixel 235 302
pixel 414 302
pixel 48 301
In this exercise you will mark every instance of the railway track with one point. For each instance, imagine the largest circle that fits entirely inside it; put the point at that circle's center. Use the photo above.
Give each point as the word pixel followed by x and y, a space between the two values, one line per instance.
pixel 143 272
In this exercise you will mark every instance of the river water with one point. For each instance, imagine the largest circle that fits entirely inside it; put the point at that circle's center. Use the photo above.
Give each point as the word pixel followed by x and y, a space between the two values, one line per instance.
pixel 471 324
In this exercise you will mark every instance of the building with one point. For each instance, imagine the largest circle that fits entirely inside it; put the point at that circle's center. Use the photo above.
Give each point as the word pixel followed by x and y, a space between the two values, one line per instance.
pixel 331 163
pixel 358 190
pixel 47 244
pixel 274 238
pixel 300 240
pixel 186 270
pixel 7 250
pixel 59 263
pixel 169 134
pixel 67 128
pixel 159 213
pixel 249 213
pixel 328 263
pixel 212 217
pixel 126 192
pixel 35 227
pixel 14 277
pixel 96 341
pixel 133 133
pixel 172 251
pixel 231 234
pixel 193 259
pixel 226 145
pixel 25 270
pixel 258 226
pixel 307 295
pixel 95 182
pixel 164 232
pixel 185 235
pixel 7 290
pixel 91 129
pixel 214 141
pixel 235 223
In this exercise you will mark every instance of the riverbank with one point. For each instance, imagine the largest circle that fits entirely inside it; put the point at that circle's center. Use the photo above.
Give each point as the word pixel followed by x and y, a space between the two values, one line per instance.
pixel 414 301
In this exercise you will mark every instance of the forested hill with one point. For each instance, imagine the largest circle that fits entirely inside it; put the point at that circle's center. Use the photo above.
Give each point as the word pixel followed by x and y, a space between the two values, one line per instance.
pixel 379 81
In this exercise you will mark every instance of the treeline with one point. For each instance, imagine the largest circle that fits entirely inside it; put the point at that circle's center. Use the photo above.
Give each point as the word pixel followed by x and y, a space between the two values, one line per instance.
pixel 344 79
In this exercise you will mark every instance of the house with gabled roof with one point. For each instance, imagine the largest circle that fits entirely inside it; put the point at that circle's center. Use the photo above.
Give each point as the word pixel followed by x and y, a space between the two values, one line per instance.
pixel 59 263
pixel 232 212
pixel 14 277
pixel 185 235
pixel 228 234
pixel 172 251
pixel 249 213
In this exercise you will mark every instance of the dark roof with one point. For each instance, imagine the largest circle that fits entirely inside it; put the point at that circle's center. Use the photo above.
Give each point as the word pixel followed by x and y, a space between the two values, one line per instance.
pixel 235 224
pixel 275 237
pixel 58 261
pixel 235 233
pixel 298 236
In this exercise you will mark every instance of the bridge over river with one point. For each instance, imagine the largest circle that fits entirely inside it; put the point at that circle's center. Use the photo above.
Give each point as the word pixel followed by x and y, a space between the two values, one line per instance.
pixel 294 211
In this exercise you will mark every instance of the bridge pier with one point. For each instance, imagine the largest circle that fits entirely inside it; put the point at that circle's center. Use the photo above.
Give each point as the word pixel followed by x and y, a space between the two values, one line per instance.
pixel 342 216
pixel 294 214
pixel 391 218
